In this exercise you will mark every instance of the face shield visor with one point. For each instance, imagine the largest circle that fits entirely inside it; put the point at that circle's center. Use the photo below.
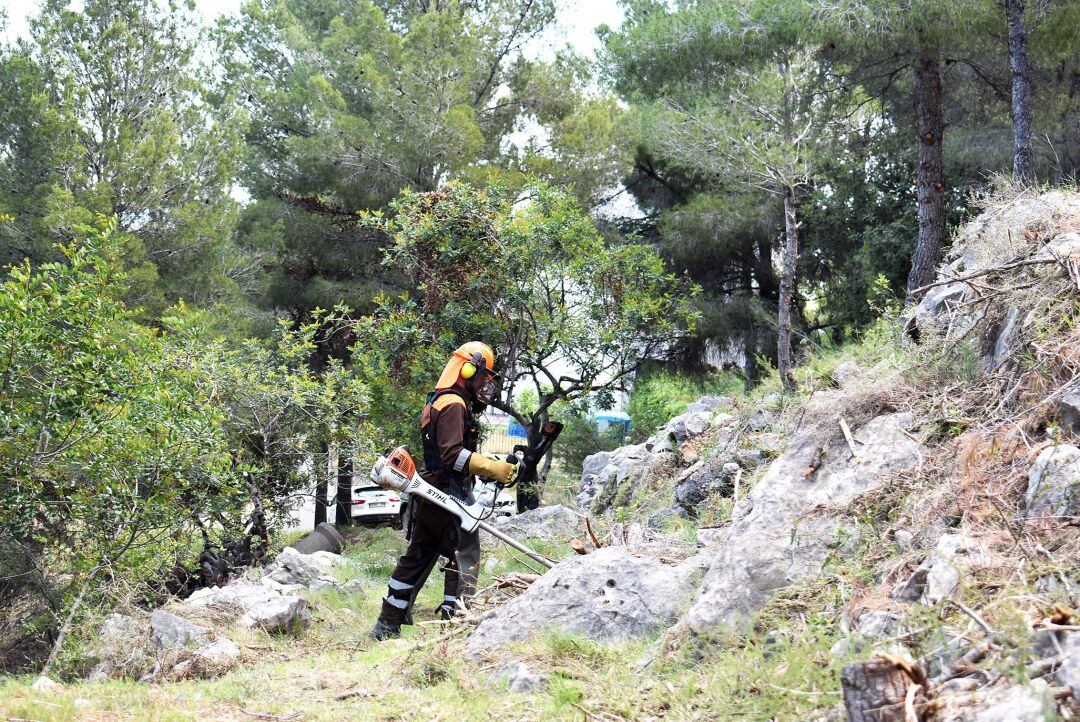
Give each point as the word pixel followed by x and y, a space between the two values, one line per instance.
pixel 486 388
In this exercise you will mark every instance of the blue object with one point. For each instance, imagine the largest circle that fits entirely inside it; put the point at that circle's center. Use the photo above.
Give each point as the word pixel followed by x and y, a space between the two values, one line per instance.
pixel 517 430
pixel 604 419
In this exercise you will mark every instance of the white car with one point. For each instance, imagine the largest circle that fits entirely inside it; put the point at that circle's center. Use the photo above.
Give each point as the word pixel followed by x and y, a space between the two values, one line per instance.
pixel 505 504
pixel 373 505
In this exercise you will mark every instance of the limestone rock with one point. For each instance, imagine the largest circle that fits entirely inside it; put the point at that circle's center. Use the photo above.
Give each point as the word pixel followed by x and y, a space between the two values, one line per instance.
pixel 710 403
pixel 775 540
pixel 610 594
pixel 1069 406
pixel 846 374
pixel 708 536
pixel 713 476
pixel 319 568
pixel 1068 674
pixel 223 652
pixel 44 684
pixel 556 523
pixel 279 614
pixel 1004 703
pixel 1054 483
pixel 520 678
pixel 122 648
pixel 1067 245
pixel 939 574
pixel 168 631
pixel 873 627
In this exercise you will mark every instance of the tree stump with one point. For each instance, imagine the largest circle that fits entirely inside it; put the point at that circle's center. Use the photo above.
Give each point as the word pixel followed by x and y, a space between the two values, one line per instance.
pixel 875 690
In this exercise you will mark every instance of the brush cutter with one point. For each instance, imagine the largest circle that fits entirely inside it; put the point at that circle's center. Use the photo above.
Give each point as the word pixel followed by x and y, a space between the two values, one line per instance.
pixel 397 472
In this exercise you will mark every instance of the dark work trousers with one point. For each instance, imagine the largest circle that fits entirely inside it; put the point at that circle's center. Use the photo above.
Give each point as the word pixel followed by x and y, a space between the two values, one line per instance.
pixel 460 583
pixel 434 534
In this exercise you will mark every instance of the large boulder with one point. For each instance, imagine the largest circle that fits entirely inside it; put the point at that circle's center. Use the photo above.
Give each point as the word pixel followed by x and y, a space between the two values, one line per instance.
pixel 779 536
pixel 556 524
pixel 610 594
pixel 122 648
pixel 278 615
pixel 602 473
pixel 1054 483
pixel 255 605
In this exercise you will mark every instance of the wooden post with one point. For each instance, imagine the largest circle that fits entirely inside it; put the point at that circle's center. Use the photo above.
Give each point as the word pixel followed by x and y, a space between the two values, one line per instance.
pixel 876 690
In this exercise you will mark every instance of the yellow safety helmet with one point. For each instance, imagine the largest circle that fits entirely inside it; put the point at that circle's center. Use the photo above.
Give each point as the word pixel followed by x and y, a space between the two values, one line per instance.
pixel 466 361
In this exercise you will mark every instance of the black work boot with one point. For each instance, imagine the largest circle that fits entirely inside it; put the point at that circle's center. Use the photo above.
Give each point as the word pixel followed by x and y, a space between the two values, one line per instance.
pixel 446 611
pixel 384 630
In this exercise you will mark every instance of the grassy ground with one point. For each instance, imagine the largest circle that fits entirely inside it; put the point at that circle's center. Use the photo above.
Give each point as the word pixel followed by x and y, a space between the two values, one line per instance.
pixel 332 672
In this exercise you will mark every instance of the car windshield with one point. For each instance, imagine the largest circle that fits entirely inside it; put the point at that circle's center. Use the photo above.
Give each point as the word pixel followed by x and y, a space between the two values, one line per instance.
pixel 369 488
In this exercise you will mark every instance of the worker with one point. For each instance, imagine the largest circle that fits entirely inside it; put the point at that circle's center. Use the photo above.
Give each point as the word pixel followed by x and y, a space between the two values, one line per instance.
pixel 449 430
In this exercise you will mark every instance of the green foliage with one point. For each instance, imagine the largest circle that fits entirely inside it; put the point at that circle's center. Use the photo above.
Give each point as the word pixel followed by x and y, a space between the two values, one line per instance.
pixel 122 445
pixel 534 280
pixel 105 113
pixel 660 394
pixel 108 439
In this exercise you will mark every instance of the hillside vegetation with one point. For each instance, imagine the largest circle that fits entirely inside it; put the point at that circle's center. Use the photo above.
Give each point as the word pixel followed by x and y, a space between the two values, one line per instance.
pixel 956 559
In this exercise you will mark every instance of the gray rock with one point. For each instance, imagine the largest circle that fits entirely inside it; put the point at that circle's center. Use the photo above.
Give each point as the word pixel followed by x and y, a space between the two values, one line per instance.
pixel 696 423
pixel 710 403
pixel 1067 245
pixel 520 678
pixel 759 420
pixel 319 568
pixel 1030 702
pixel 610 594
pixel 122 648
pixel 1053 481
pixel 168 631
pixel 846 374
pixel 556 524
pixel 1003 344
pixel 711 477
pixel 240 596
pixel 775 540
pixel 873 627
pixel 904 540
pixel 279 614
pixel 709 536
pixel 939 574
pixel 223 652
pixel 1069 407
pixel 1068 674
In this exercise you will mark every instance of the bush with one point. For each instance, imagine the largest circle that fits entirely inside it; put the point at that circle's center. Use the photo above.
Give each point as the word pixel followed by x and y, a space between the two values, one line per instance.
pixel 123 448
pixel 659 395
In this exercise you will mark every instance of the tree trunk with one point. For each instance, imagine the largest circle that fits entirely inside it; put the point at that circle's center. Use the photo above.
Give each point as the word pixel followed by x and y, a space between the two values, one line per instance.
pixel 343 517
pixel 787 290
pixel 1023 164
pixel 874 691
pixel 321 470
pixel 528 490
pixel 931 187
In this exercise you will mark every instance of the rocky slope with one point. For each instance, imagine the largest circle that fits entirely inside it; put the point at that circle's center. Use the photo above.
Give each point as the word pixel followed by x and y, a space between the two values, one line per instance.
pixel 948 470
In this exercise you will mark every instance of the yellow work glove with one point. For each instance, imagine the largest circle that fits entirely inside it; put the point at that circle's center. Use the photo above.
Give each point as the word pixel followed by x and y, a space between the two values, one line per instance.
pixel 492 468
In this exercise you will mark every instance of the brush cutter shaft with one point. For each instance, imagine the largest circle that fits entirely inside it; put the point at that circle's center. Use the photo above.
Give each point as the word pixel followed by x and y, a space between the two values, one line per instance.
pixel 517 545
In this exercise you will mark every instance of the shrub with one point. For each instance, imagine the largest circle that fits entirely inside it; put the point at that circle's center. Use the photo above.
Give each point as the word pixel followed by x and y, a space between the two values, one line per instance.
pixel 659 395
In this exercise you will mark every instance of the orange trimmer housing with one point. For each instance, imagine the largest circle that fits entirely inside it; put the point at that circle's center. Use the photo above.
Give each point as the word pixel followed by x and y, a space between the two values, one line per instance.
pixel 401 460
